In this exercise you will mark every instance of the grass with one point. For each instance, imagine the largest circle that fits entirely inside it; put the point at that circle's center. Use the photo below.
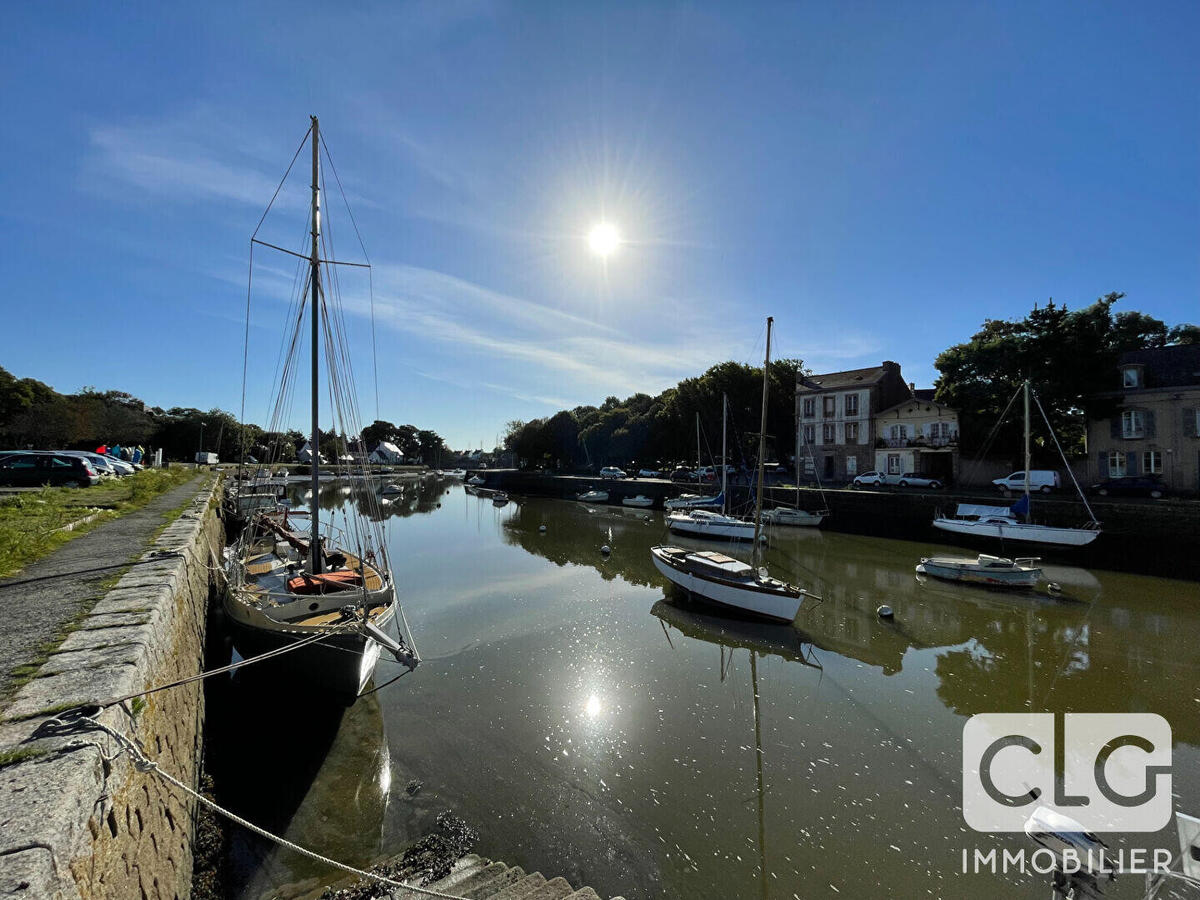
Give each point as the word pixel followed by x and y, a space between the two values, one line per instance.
pixel 30 522
pixel 19 754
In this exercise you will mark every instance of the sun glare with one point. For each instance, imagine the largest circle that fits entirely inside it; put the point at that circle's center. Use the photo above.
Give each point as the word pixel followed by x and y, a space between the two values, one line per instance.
pixel 604 239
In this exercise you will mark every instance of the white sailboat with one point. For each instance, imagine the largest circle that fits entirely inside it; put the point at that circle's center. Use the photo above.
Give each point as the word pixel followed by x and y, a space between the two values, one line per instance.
pixel 727 581
pixel 794 515
pixel 696 501
pixel 300 585
pixel 1012 522
pixel 641 501
pixel 705 523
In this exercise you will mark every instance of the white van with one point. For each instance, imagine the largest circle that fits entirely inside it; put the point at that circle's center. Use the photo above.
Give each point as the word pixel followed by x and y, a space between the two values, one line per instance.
pixel 1044 480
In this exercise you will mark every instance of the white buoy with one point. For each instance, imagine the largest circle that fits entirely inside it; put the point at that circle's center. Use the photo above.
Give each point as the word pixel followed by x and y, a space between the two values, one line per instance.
pixel 542 529
pixel 884 612
pixel 1053 588
pixel 606 549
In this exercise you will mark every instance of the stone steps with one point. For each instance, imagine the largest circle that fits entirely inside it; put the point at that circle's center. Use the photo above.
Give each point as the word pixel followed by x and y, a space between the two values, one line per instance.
pixel 478 878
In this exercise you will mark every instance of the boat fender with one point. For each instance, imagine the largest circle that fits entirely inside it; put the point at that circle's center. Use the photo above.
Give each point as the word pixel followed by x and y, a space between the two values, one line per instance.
pixel 541 529
pixel 606 549
pixel 884 612
pixel 1053 588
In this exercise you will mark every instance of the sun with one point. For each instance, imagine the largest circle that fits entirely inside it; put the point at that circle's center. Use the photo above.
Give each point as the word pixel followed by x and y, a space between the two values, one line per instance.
pixel 604 239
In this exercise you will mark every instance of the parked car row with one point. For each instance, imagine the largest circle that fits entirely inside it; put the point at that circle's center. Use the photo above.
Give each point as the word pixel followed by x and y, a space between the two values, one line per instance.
pixel 69 468
pixel 907 479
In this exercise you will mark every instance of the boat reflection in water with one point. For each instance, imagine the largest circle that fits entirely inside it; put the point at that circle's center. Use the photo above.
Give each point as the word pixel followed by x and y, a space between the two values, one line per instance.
pixel 287 765
pixel 760 639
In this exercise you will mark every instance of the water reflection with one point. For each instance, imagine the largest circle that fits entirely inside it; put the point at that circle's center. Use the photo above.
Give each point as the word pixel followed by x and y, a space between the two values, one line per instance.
pixel 555 714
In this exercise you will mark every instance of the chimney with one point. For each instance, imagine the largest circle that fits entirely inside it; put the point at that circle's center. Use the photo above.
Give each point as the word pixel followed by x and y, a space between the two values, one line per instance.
pixel 912 388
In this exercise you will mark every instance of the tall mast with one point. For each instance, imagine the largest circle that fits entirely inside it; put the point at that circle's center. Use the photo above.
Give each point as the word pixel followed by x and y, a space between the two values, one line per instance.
pixel 724 417
pixel 762 441
pixel 314 506
pixel 697 450
pixel 1027 449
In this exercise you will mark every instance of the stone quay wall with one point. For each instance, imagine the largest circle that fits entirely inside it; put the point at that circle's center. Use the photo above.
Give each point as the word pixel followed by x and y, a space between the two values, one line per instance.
pixel 77 819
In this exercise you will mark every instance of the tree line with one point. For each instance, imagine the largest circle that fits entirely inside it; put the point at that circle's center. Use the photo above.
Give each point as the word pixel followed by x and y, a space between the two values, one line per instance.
pixel 33 414
pixel 1070 356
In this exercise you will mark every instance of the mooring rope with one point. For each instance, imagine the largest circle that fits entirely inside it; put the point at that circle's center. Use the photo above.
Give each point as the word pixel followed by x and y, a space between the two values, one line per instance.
pixel 143 763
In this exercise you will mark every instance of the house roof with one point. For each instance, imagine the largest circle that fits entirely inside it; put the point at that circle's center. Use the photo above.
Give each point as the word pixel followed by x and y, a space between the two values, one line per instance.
pixel 851 378
pixel 1167 366
pixel 918 400
pixel 925 394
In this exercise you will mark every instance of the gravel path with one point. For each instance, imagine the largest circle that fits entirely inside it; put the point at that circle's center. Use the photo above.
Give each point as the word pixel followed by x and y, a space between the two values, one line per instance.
pixel 43 597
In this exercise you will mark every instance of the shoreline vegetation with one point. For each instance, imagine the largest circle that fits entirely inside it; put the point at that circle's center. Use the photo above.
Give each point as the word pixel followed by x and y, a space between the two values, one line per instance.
pixel 34 524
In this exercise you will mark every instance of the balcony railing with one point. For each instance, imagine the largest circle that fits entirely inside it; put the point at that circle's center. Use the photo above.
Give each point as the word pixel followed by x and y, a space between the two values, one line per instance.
pixel 921 441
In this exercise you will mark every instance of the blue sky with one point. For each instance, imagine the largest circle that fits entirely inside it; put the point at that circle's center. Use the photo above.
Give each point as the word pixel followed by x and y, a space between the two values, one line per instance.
pixel 880 177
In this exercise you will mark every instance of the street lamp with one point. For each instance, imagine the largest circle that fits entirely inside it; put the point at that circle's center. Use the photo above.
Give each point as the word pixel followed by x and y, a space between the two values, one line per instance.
pixel 200 449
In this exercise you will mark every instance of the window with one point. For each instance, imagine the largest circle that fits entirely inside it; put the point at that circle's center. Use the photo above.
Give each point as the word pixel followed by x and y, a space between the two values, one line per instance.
pixel 1152 462
pixel 893 464
pixel 830 404
pixel 1116 464
pixel 1131 376
pixel 828 434
pixel 851 466
pixel 852 404
pixel 810 407
pixel 1132 425
pixel 898 432
pixel 851 432
pixel 810 434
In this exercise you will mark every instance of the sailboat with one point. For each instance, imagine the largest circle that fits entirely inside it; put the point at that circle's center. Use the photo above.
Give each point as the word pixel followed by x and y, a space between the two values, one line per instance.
pixel 1013 522
pixel 794 515
pixel 707 523
pixel 320 597
pixel 696 501
pixel 727 581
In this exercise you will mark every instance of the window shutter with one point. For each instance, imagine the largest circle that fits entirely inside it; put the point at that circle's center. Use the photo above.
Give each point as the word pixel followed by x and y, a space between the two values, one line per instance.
pixel 1115 425
pixel 1189 423
pixel 1131 463
pixel 1148 422
pixel 1102 464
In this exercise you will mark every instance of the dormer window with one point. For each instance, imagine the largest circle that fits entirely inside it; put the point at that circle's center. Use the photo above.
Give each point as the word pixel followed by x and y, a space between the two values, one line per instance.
pixel 1131 377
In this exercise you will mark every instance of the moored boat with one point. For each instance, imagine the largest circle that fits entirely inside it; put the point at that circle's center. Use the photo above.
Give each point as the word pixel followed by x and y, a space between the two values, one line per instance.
pixel 707 524
pixel 786 515
pixel 727 581
pixel 641 501
pixel 321 596
pixel 593 496
pixel 993 571
pixel 695 501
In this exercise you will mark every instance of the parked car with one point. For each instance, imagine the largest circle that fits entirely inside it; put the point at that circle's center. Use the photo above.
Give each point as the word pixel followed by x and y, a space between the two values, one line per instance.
pixel 101 463
pixel 123 468
pixel 682 473
pixel 914 479
pixel 612 472
pixel 869 479
pixel 1131 486
pixel 55 469
pixel 1044 480
pixel 649 473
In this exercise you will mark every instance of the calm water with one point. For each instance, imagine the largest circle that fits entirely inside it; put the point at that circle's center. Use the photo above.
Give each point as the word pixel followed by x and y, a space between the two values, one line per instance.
pixel 589 724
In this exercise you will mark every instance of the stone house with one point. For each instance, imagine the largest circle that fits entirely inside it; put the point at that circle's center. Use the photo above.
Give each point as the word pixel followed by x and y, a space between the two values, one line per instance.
pixel 1154 429
pixel 917 435
pixel 835 417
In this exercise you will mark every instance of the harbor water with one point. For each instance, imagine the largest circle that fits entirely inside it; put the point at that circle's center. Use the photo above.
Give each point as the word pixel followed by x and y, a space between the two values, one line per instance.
pixel 590 723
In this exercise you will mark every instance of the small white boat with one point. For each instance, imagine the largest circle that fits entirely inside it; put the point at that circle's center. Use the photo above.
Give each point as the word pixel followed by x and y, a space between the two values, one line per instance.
pixel 994 571
pixel 500 498
pixel 695 501
pixel 707 524
pixel 729 582
pixel 455 474
pixel 786 515
pixel 476 480
pixel 593 497
pixel 641 501
pixel 391 489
